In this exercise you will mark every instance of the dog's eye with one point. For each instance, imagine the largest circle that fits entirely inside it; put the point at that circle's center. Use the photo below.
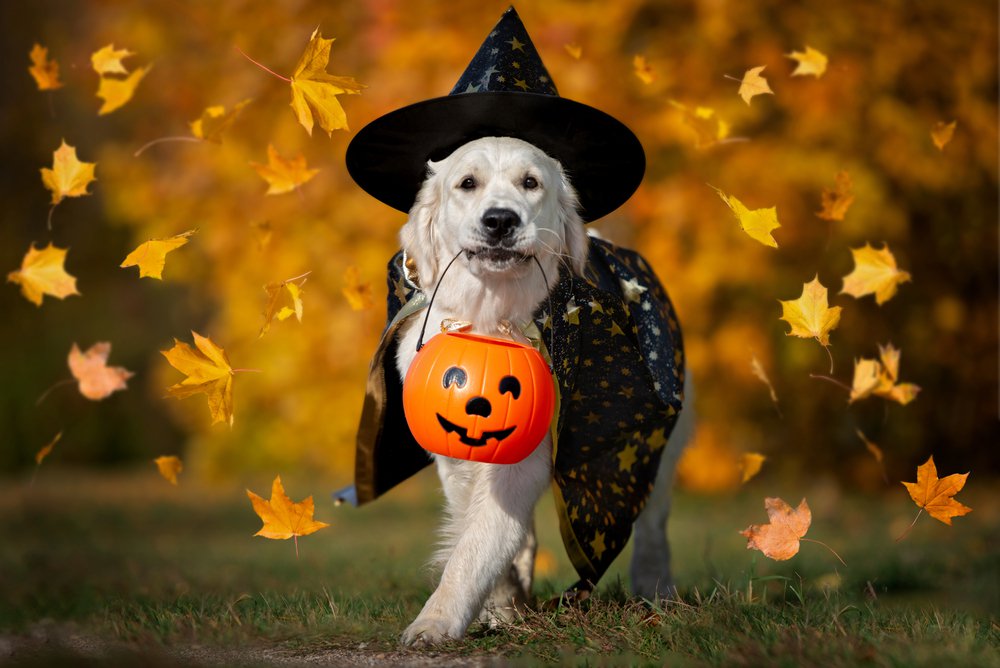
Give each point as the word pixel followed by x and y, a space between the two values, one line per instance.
pixel 510 384
pixel 468 183
pixel 530 183
pixel 454 376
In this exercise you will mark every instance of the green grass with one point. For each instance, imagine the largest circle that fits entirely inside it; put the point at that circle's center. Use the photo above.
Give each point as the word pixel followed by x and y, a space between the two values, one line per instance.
pixel 125 569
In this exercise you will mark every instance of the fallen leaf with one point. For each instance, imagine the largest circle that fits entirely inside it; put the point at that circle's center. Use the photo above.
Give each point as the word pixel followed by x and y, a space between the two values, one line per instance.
pixel 95 379
pixel 880 378
pixel 754 84
pixel 108 60
pixel 116 92
pixel 875 451
pixel 942 133
pixel 358 294
pixel 208 371
pixel 875 272
pixel 750 463
pixel 643 70
pixel 283 175
pixel 758 370
pixel 45 71
pixel 151 255
pixel 314 92
pixel 708 128
pixel 68 177
pixel 575 51
pixel 809 61
pixel 836 202
pixel 293 306
pixel 810 315
pixel 780 539
pixel 935 495
pixel 216 120
pixel 169 466
pixel 757 223
pixel 283 518
pixel 46 450
pixel 43 273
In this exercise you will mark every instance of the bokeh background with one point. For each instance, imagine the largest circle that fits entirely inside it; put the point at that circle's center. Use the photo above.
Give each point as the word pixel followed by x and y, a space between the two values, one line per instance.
pixel 896 68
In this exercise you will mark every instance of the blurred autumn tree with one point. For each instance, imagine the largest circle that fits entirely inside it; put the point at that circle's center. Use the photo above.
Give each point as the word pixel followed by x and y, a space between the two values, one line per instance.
pixel 896 68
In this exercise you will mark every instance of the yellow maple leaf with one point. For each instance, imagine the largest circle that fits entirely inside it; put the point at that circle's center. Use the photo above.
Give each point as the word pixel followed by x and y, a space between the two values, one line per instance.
pixel 575 51
pixel 757 223
pixel 875 272
pixel 169 467
pixel 810 315
pixel 150 256
pixel 709 129
pixel 293 306
pixel 283 175
pixel 215 120
pixel 116 92
pixel 68 177
pixel 780 539
pixel 283 518
pixel 880 378
pixel 643 70
pixel 942 133
pixel 750 464
pixel 314 92
pixel 42 273
pixel 108 60
pixel 936 495
pixel 358 294
pixel 809 61
pixel 46 449
pixel 44 71
pixel 95 379
pixel 836 202
pixel 753 84
pixel 208 371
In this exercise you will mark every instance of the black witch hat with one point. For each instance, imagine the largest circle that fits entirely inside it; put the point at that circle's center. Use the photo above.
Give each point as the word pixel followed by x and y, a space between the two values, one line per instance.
pixel 504 92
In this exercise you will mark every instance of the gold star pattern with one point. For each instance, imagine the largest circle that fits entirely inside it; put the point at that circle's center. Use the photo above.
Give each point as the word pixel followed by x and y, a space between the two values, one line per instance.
pixel 592 417
pixel 595 307
pixel 597 545
pixel 521 83
pixel 657 439
pixel 515 45
pixel 615 330
pixel 627 458
pixel 572 315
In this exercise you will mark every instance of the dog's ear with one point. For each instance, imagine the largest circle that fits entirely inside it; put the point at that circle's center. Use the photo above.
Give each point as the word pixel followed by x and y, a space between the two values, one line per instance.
pixel 417 235
pixel 574 234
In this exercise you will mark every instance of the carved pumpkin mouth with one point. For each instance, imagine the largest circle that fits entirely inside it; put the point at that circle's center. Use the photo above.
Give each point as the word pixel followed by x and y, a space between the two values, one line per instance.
pixel 463 433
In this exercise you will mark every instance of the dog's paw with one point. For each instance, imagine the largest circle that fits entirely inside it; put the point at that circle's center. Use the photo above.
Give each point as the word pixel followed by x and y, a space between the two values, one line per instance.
pixel 426 631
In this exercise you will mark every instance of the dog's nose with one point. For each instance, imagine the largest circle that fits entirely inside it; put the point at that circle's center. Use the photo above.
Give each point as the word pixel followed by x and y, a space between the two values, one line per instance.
pixel 479 406
pixel 500 223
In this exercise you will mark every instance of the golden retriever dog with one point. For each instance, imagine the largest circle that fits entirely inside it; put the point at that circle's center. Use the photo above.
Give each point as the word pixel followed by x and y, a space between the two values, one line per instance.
pixel 495 205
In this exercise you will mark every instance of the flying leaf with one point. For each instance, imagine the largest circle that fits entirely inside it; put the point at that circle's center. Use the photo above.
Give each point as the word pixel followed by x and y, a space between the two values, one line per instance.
pixel 754 84
pixel 359 295
pixel 643 70
pixel 758 370
pixel 809 61
pixel 283 518
pixel 708 128
pixel 810 315
pixel 283 175
pixel 68 177
pixel 757 223
pixel 880 378
pixel 780 539
pixel 942 133
pixel 96 380
pixel 43 273
pixel 875 272
pixel 169 467
pixel 108 60
pixel 936 495
pixel 575 51
pixel 116 92
pixel 314 92
pixel 292 292
pixel 46 450
pixel 151 255
pixel 836 202
pixel 45 71
pixel 208 371
pixel 750 463
pixel 875 452
pixel 216 120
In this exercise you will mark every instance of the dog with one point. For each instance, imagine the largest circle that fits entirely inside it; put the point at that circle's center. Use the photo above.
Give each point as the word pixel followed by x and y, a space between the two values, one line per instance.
pixel 496 205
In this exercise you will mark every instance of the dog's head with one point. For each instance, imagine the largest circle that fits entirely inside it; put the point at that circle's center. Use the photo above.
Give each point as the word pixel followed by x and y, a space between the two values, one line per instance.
pixel 499 202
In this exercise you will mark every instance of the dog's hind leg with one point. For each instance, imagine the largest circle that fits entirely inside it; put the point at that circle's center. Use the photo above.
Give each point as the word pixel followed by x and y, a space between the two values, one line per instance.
pixel 650 569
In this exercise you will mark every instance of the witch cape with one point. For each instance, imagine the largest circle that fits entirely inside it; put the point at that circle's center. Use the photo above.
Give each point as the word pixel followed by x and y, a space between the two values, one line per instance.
pixel 618 359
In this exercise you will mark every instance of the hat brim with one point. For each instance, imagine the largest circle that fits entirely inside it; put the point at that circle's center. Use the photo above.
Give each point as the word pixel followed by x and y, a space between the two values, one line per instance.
pixel 601 156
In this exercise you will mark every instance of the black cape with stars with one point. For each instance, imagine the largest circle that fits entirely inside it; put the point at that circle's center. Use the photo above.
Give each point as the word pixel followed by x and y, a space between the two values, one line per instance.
pixel 619 363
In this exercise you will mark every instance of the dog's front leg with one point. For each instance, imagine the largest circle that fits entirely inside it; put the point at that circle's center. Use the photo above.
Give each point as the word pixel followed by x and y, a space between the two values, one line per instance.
pixel 488 531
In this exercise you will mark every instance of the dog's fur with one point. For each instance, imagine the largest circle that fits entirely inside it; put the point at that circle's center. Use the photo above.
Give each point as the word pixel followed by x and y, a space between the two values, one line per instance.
pixel 495 203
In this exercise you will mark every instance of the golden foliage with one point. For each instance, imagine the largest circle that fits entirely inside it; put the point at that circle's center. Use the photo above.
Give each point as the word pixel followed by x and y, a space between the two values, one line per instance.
pixel 43 273
pixel 753 84
pixel 875 272
pixel 284 518
pixel 68 177
pixel 151 255
pixel 169 466
pixel 95 379
pixel 208 372
pixel 808 62
pixel 44 71
pixel 757 223
pixel 810 315
pixel 314 92
pixel 936 495
pixel 283 175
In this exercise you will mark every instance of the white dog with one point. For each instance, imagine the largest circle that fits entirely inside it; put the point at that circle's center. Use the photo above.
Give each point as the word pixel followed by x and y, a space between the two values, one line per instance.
pixel 496 203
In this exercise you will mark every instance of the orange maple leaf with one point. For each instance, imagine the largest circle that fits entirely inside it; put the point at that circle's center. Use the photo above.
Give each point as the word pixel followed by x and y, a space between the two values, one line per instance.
pixel 208 371
pixel 836 202
pixel 935 494
pixel 215 120
pixel 643 70
pixel 283 175
pixel 283 518
pixel 94 377
pixel 779 539
pixel 169 467
pixel 45 71
pixel 942 133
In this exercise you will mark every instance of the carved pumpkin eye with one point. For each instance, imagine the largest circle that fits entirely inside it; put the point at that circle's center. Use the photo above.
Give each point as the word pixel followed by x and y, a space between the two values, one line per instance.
pixel 510 384
pixel 454 376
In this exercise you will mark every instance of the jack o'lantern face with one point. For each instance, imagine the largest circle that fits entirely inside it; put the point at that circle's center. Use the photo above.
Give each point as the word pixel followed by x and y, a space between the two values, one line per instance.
pixel 473 397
